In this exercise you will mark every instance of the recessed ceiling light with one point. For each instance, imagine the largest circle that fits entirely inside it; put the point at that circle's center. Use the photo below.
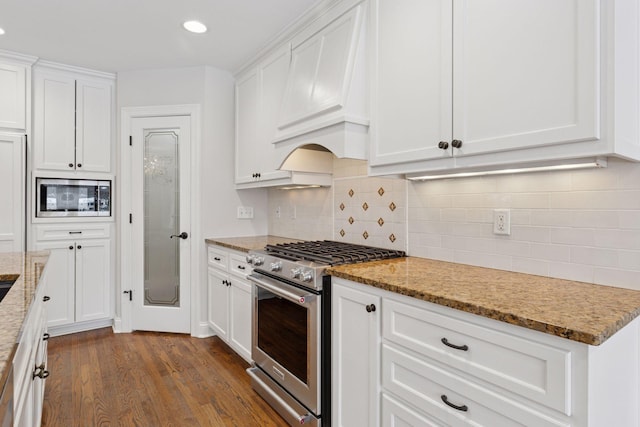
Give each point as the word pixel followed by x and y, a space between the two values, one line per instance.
pixel 1 31
pixel 195 27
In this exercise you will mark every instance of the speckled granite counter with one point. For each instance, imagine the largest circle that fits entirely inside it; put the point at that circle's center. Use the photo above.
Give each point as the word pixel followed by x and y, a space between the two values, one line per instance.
pixel 578 311
pixel 245 244
pixel 28 268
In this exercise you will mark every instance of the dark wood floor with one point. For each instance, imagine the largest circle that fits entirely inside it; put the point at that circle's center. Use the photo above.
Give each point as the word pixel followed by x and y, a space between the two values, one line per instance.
pixel 99 378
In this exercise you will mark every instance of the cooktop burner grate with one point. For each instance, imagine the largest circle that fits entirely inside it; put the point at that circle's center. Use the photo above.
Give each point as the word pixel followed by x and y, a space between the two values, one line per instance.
pixel 331 253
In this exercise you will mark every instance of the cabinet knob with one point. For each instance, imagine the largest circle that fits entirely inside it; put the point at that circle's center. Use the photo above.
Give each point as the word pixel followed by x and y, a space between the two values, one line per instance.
pixel 70 165
pixel 456 143
pixel 70 248
pixel 46 336
pixel 443 145
pixel 46 298
pixel 370 308
pixel 79 246
pixel 79 165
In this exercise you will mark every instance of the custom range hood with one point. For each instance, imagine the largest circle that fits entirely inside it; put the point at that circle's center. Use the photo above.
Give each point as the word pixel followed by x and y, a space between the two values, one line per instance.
pixel 325 100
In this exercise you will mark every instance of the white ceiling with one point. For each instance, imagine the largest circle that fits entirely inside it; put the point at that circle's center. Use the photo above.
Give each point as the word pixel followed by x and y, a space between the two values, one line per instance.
pixel 117 35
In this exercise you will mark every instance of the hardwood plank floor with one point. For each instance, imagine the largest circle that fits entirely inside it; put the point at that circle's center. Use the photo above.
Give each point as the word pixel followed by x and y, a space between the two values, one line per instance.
pixel 99 378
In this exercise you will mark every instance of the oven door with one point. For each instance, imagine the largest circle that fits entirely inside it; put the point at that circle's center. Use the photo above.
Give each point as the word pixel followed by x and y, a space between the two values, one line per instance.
pixel 286 337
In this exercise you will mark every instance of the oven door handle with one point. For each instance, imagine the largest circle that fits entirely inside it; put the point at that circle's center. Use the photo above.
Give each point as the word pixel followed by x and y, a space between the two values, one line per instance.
pixel 300 298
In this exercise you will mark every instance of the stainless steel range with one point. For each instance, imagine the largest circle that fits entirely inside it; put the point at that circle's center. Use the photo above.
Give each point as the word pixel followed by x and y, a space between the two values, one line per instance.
pixel 291 339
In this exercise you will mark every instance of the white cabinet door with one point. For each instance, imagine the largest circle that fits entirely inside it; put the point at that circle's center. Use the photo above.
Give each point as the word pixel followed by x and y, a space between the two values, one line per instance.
pixel 218 306
pixel 355 356
pixel 258 99
pixel 93 279
pixel 13 87
pixel 93 126
pixel 12 189
pixel 61 273
pixel 411 92
pixel 525 73
pixel 320 70
pixel 240 303
pixel 247 144
pixel 54 121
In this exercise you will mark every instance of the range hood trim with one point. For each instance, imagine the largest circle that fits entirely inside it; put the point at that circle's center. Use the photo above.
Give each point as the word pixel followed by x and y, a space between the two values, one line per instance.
pixel 296 179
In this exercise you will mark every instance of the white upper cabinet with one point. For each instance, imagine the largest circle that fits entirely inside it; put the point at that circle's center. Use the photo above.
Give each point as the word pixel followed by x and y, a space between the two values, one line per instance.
pixel 13 102
pixel 12 189
pixel 467 84
pixel 72 121
pixel 258 96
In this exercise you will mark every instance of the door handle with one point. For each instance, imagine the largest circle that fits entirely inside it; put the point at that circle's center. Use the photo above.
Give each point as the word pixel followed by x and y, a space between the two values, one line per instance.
pixel 182 235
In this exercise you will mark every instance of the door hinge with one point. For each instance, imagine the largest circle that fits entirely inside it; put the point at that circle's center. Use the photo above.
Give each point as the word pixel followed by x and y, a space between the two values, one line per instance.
pixel 130 140
pixel 130 218
pixel 130 294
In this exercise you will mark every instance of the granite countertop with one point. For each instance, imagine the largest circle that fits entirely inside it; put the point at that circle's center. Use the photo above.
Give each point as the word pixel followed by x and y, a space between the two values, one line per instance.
pixel 27 267
pixel 246 244
pixel 577 311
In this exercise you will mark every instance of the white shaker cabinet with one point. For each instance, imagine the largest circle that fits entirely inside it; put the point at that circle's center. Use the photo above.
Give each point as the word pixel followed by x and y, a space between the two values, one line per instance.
pixel 73 120
pixel 258 97
pixel 79 275
pixel 355 356
pixel 470 84
pixel 13 102
pixel 229 298
pixel 12 189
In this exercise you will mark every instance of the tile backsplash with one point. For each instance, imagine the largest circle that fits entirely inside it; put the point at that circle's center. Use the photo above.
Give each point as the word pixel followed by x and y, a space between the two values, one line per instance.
pixel 579 225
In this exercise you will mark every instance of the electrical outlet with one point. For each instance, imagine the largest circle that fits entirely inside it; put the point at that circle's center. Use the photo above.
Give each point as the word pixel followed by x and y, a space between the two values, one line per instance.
pixel 245 212
pixel 277 212
pixel 502 221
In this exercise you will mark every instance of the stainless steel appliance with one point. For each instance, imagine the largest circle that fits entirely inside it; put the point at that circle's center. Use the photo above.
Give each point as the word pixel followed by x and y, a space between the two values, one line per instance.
pixel 57 197
pixel 291 333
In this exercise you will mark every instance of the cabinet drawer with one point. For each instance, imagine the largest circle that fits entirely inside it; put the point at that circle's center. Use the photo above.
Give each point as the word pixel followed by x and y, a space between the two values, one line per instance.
pixel 395 414
pixel 531 369
pixel 238 265
pixel 217 258
pixel 426 386
pixel 68 231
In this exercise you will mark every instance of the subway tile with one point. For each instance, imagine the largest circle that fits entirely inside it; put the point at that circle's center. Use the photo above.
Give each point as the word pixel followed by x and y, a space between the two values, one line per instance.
pixel 561 253
pixel 629 260
pixel 616 277
pixel 549 217
pixel 530 200
pixel 622 239
pixel 629 219
pixel 530 266
pixel 500 262
pixel 594 256
pixel 569 271
pixel 516 249
pixel 572 236
pixel 453 215
pixel 530 233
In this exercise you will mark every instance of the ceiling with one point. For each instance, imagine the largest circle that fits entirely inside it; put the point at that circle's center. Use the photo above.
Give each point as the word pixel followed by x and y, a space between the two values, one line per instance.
pixel 118 35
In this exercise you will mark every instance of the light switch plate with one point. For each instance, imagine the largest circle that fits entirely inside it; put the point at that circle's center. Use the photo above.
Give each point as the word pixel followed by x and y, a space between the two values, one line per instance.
pixel 245 212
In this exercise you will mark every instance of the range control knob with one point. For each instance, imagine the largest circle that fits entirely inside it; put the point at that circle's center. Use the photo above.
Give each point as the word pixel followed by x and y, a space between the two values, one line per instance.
pixel 258 261
pixel 250 259
pixel 307 276
pixel 276 266
pixel 296 273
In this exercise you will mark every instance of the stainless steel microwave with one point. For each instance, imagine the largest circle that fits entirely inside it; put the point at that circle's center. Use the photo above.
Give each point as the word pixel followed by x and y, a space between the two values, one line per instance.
pixel 56 197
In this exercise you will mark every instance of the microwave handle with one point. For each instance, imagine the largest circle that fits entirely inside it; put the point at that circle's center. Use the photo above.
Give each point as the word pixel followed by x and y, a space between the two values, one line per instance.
pixel 295 297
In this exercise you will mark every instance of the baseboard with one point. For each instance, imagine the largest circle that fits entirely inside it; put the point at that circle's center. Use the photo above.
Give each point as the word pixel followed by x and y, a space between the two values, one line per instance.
pixel 56 331
pixel 203 331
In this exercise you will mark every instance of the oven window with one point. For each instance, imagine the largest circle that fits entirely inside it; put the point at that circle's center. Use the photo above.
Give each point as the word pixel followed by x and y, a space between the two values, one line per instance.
pixel 282 333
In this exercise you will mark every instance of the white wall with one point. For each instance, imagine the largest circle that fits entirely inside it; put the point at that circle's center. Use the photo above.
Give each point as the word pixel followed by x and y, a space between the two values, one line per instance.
pixel 213 90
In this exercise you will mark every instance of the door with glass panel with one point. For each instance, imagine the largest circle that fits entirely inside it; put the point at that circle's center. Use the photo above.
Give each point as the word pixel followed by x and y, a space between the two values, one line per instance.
pixel 160 223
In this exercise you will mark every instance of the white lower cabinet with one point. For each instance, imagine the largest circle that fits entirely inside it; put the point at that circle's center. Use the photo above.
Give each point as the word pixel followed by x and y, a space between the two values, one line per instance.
pixel 355 356
pixel 80 276
pixel 229 298
pixel 30 362
pixel 429 365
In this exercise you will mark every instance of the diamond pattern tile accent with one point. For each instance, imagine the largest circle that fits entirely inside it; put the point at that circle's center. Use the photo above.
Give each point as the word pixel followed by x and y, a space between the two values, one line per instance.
pixel 392 206
pixel 365 235
pixel 392 237
pixel 342 206
pixel 342 233
pixel 365 206
pixel 351 220
pixel 351 193
pixel 380 191
pixel 380 222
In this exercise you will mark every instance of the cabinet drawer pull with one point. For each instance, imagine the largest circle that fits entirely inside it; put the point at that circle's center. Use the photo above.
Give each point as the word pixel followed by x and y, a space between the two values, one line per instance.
pixel 241 267
pixel 216 259
pixel 75 232
pixel 462 408
pixel 45 337
pixel 457 347
pixel 370 308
